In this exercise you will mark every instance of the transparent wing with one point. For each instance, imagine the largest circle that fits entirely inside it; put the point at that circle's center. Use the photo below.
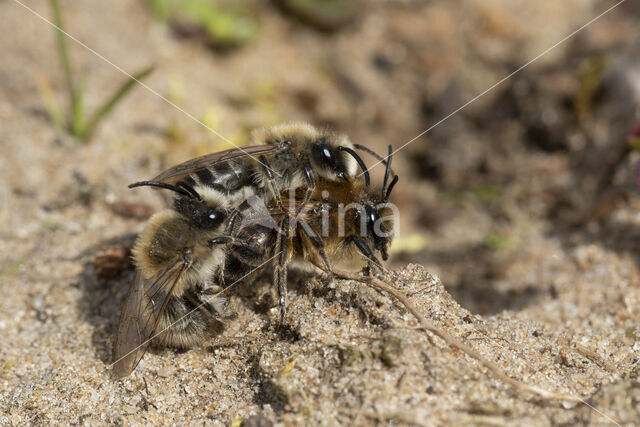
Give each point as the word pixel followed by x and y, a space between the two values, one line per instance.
pixel 178 172
pixel 141 312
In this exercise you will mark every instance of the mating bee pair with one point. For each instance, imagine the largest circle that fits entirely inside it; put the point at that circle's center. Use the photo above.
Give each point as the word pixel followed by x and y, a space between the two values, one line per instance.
pixel 229 222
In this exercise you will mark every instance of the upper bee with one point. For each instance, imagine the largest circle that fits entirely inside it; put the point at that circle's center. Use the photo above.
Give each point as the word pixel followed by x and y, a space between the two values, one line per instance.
pixel 327 153
pixel 284 156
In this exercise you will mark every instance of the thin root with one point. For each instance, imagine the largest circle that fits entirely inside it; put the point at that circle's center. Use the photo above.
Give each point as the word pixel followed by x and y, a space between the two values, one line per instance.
pixel 455 342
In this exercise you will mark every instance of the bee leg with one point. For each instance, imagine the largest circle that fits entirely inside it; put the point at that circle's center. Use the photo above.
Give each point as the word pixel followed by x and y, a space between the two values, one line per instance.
pixel 231 222
pixel 365 250
pixel 215 305
pixel 228 229
pixel 280 270
pixel 198 303
pixel 317 243
pixel 222 240
pixel 311 185
pixel 221 281
pixel 272 182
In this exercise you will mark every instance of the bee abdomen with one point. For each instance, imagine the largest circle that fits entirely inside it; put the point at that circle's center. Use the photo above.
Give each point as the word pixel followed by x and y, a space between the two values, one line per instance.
pixel 184 326
pixel 257 243
pixel 226 177
pixel 164 238
pixel 249 258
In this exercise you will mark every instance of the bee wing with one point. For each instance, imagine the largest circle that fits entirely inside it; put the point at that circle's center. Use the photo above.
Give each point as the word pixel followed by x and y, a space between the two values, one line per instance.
pixel 143 306
pixel 178 172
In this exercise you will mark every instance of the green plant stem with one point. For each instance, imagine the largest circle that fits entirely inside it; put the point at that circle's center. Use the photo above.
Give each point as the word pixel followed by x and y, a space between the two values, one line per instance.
pixel 63 50
pixel 78 124
pixel 108 105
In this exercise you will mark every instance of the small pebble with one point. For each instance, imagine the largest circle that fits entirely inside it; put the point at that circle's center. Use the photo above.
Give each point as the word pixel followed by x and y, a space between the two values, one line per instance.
pixel 165 372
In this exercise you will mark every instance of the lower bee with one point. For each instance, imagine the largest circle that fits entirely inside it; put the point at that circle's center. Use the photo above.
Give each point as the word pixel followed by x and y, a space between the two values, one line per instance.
pixel 175 261
pixel 183 263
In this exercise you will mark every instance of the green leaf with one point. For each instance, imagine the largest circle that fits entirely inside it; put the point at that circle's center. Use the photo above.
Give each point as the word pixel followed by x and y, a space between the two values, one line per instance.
pixel 328 15
pixel 231 27
pixel 496 241
pixel 77 111
pixel 63 52
pixel 117 96
pixel 487 194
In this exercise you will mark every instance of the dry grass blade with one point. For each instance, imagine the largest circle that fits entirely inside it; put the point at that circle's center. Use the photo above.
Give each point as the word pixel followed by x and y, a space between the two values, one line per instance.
pixel 49 99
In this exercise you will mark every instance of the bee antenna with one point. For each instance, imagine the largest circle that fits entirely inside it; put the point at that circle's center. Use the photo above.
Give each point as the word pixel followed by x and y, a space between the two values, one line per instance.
pixel 374 154
pixel 190 190
pixel 392 184
pixel 161 185
pixel 358 159
pixel 387 171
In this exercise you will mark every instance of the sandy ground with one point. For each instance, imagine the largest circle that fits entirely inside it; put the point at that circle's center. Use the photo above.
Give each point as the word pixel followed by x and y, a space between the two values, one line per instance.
pixel 558 307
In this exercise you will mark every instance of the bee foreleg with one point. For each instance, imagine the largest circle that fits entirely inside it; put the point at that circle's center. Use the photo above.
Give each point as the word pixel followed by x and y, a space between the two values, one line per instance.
pixel 280 270
pixel 280 276
pixel 222 240
pixel 221 281
pixel 215 304
pixel 311 185
pixel 228 229
pixel 231 222
pixel 316 241
pixel 272 182
pixel 365 250
pixel 198 303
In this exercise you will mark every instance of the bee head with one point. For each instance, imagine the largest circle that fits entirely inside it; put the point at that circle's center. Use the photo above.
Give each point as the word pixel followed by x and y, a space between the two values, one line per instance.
pixel 376 216
pixel 202 215
pixel 333 157
pixel 206 210
pixel 329 161
pixel 378 227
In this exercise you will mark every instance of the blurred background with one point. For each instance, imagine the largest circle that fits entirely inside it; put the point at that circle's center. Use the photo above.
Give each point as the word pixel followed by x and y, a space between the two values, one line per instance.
pixel 525 202
pixel 490 198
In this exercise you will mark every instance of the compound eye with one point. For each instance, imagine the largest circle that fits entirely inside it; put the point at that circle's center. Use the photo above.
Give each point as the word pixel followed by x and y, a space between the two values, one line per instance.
pixel 209 218
pixel 372 217
pixel 322 153
pixel 214 217
pixel 326 154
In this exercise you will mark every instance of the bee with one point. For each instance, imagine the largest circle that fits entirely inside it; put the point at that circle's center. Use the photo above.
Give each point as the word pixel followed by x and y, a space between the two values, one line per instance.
pixel 289 155
pixel 188 254
pixel 174 262
pixel 183 263
pixel 185 259
pixel 334 223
